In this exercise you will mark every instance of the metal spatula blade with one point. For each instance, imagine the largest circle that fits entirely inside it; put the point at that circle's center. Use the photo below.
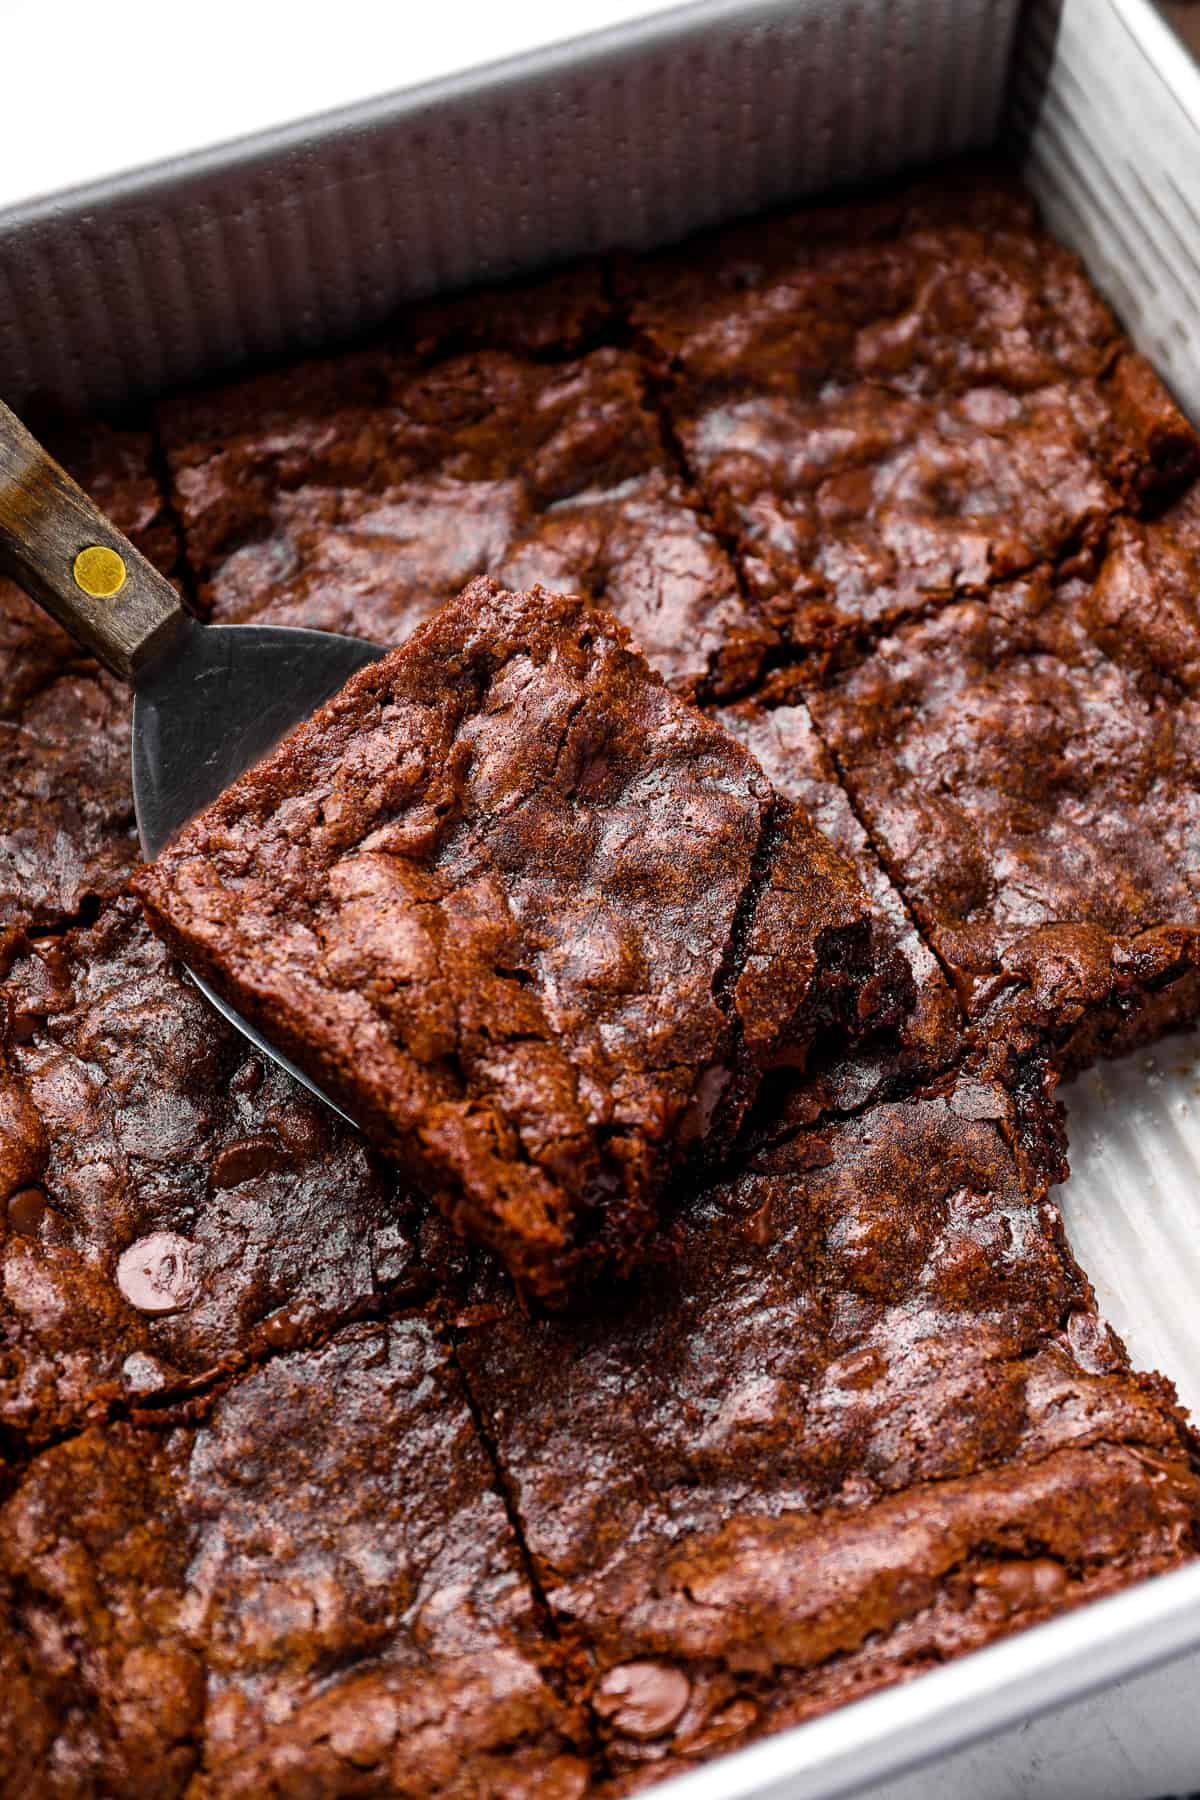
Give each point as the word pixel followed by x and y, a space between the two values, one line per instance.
pixel 209 700
pixel 217 701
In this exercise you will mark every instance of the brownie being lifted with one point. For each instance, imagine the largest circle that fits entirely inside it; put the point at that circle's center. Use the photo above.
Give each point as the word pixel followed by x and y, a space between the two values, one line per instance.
pixel 535 922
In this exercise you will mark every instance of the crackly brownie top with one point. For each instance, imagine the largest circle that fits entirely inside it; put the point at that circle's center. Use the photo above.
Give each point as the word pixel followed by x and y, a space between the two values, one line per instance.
pixel 357 493
pixel 862 1415
pixel 866 1414
pixel 170 1202
pixel 943 284
pixel 1143 604
pixel 532 918
pixel 316 1575
pixel 859 506
pixel 890 405
pixel 1036 800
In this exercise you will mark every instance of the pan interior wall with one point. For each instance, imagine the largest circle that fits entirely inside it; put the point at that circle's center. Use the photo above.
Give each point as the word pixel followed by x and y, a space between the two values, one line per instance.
pixel 629 138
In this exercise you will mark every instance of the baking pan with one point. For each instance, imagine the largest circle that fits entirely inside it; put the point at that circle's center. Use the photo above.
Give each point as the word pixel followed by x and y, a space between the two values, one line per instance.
pixel 313 231
pixel 309 233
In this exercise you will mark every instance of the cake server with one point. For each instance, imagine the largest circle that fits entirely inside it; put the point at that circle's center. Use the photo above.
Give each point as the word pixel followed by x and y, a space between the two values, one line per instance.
pixel 208 700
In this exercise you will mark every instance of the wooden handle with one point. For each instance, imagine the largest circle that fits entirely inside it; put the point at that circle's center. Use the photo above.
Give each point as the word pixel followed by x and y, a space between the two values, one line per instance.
pixel 73 561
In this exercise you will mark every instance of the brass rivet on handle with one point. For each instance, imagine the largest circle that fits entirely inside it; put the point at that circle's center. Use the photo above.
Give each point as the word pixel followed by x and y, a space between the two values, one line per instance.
pixel 99 571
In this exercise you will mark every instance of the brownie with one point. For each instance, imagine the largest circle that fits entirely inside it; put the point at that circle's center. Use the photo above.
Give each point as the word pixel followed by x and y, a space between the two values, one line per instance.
pixel 357 493
pixel 862 507
pixel 311 1589
pixel 865 1419
pixel 171 1203
pixel 1037 804
pixel 638 553
pixel 778 730
pixel 549 316
pixel 890 408
pixel 536 923
pixel 945 282
pixel 1141 605
pixel 66 810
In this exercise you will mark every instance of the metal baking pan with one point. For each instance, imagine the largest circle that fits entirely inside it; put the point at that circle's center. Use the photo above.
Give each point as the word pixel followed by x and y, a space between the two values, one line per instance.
pixel 309 232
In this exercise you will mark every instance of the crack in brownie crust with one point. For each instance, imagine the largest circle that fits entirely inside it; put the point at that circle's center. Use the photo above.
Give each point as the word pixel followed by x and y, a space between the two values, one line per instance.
pixel 489 898
pixel 778 730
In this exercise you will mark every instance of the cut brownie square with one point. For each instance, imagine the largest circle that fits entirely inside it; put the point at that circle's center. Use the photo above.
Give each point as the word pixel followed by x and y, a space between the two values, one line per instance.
pixel 865 1420
pixel 638 552
pixel 66 809
pixel 941 285
pixel 357 494
pixel 1038 804
pixel 171 1204
pixel 313 1588
pixel 536 923
pixel 892 406
pixel 777 729
pixel 861 507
